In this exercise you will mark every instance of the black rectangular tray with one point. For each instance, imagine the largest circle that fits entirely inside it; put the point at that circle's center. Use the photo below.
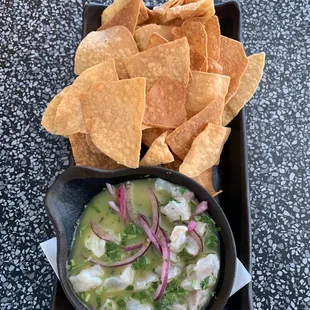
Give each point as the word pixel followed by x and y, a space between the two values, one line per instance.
pixel 231 175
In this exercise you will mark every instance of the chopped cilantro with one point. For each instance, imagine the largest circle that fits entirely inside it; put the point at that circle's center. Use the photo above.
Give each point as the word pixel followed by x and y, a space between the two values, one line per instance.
pixel 98 300
pixel 211 241
pixel 182 190
pixel 122 304
pixel 113 252
pixel 131 232
pixel 79 265
pixel 175 200
pixel 218 229
pixel 180 219
pixel 129 288
pixel 110 304
pixel 142 263
pixel 87 297
pixel 204 283
pixel 192 204
pixel 142 296
pixel 174 293
pixel 82 229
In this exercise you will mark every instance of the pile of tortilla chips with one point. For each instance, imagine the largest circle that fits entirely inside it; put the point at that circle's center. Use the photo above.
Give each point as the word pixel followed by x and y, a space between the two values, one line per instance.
pixel 163 77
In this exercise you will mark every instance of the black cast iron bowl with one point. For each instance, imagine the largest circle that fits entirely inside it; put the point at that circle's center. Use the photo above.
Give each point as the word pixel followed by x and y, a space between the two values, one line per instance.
pixel 73 189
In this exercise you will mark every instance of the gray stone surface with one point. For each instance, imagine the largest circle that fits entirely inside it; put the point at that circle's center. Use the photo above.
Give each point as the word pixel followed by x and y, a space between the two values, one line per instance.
pixel 37 44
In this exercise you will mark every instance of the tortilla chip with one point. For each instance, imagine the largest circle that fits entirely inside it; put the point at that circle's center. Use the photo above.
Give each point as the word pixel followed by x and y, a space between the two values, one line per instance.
pixel 214 67
pixel 142 35
pixel 121 13
pixel 181 139
pixel 155 39
pixel 113 113
pixel 174 165
pixel 213 30
pixel 248 85
pixel 48 119
pixel 158 153
pixel 165 104
pixel 143 13
pixel 83 156
pixel 187 10
pixel 69 116
pixel 150 135
pixel 205 150
pixel 98 46
pixel 170 60
pixel 91 145
pixel 234 62
pixel 205 180
pixel 197 40
pixel 202 89
pixel 144 127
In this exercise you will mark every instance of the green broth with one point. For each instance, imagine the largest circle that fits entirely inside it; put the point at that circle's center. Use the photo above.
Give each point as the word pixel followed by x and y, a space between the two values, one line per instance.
pixel 98 211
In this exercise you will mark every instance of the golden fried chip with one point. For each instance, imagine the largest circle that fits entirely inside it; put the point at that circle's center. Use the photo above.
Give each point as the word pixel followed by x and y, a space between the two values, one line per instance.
pixel 214 66
pixel 170 59
pixel 158 153
pixel 142 35
pixel 248 85
pixel 98 46
pixel 143 13
pixel 69 116
pixel 205 150
pixel 144 127
pixel 202 89
pixel 150 134
pixel 165 104
pixel 205 180
pixel 213 30
pixel 174 165
pixel 48 119
pixel 187 10
pixel 234 62
pixel 83 156
pixel 121 13
pixel 91 145
pixel 113 113
pixel 181 139
pixel 197 40
pixel 155 39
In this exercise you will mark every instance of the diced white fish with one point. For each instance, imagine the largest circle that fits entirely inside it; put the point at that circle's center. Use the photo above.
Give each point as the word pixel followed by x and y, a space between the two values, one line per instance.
pixel 174 271
pixel 109 305
pixel 116 284
pixel 134 304
pixel 177 209
pixel 145 281
pixel 206 267
pixel 197 299
pixel 201 229
pixel 172 189
pixel 178 238
pixel 188 195
pixel 192 246
pixel 179 307
pixel 87 279
pixel 95 244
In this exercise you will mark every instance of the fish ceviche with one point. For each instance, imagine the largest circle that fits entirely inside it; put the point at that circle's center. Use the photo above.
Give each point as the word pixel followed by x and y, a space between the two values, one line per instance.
pixel 145 244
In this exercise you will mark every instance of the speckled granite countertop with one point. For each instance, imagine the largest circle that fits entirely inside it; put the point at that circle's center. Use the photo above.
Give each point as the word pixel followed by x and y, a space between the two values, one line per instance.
pixel 37 42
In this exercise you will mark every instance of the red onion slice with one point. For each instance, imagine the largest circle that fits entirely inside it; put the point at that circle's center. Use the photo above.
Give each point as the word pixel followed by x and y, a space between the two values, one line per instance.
pixel 121 195
pixel 197 238
pixel 113 206
pixel 155 210
pixel 203 206
pixel 150 233
pixel 130 209
pixel 121 263
pixel 133 247
pixel 102 234
pixel 191 226
pixel 111 189
pixel 166 264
